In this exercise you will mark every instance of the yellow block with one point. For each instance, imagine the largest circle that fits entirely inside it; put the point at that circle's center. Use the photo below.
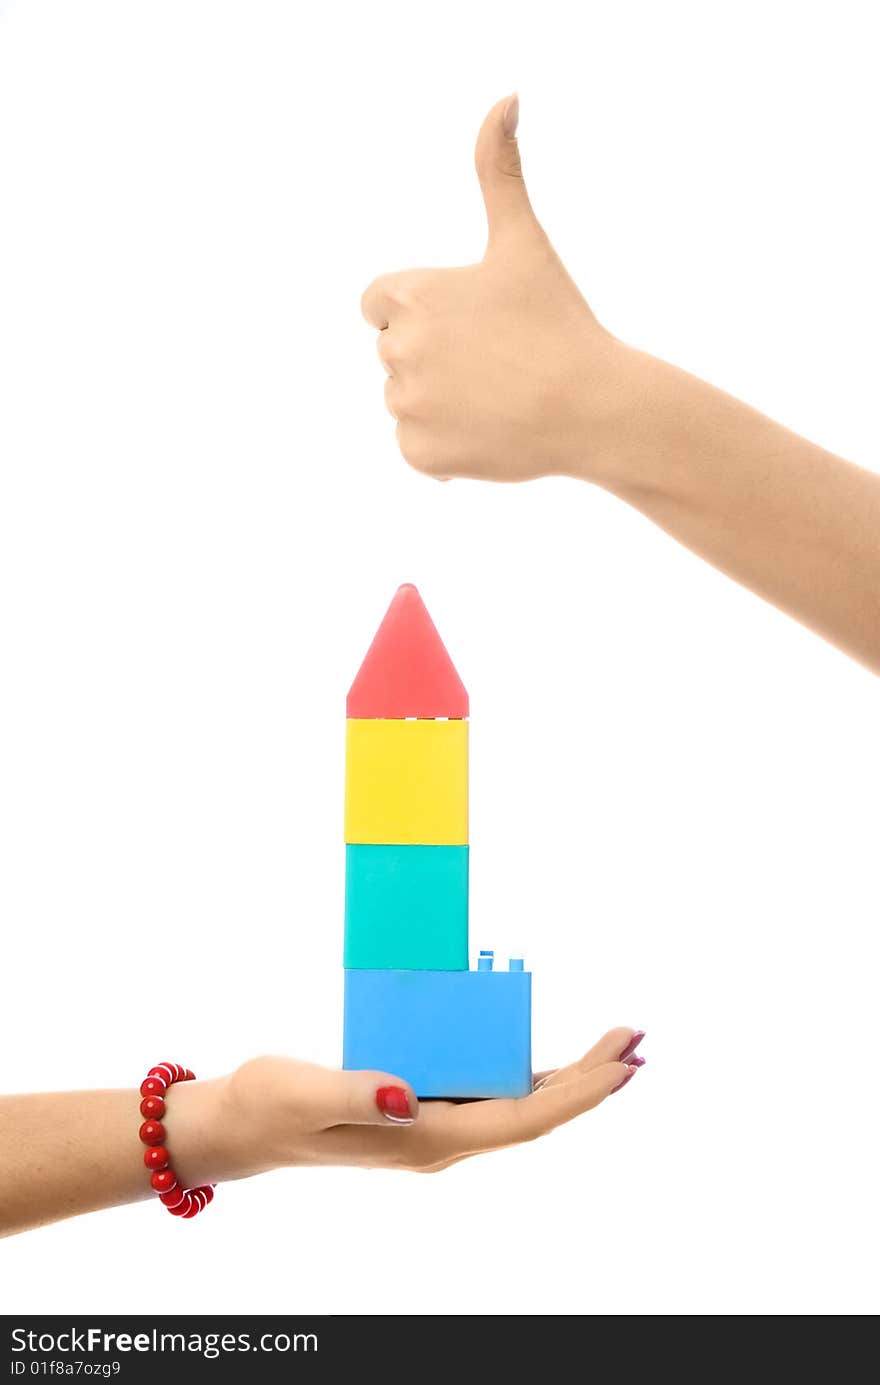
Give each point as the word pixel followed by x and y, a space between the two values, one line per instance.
pixel 406 782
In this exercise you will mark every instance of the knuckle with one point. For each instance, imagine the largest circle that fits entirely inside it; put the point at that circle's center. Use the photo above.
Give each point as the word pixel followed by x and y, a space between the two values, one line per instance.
pixel 407 401
pixel 439 462
pixel 402 299
pixel 412 290
pixel 400 292
pixel 411 445
pixel 511 164
pixel 351 1104
pixel 369 299
pixel 397 348
pixel 391 398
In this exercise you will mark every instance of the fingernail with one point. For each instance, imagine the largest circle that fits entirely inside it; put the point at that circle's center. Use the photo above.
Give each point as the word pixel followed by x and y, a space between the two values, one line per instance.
pixel 630 1074
pixel 393 1102
pixel 510 118
pixel 632 1046
pixel 637 1062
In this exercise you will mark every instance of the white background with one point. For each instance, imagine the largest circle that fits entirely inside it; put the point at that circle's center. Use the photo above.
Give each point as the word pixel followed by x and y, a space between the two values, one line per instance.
pixel 202 518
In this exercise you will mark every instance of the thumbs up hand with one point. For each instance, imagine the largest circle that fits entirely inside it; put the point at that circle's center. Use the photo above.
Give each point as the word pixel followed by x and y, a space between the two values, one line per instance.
pixel 498 370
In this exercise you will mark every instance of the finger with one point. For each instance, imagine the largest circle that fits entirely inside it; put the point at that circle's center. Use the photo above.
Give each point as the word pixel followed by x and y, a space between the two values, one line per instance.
pixel 357 1098
pixel 386 349
pixel 376 303
pixel 632 1046
pixel 615 1046
pixel 500 172
pixel 496 1124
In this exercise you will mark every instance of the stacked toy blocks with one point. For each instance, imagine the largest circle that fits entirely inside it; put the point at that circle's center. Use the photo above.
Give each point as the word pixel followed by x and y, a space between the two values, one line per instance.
pixel 412 1007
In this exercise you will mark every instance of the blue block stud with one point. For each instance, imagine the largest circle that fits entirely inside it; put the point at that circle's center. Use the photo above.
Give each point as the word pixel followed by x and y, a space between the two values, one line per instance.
pixel 447 1033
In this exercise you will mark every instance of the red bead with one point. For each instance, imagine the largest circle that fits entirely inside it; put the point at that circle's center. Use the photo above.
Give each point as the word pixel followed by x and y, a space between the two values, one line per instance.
pixel 152 1132
pixel 163 1180
pixel 180 1202
pixel 183 1208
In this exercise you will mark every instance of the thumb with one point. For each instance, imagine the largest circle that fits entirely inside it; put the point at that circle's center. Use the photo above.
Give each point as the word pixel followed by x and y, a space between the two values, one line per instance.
pixel 365 1098
pixel 500 172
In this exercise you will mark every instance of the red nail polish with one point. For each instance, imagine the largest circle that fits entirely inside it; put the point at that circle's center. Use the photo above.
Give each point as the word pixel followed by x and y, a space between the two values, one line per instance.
pixel 637 1062
pixel 393 1102
pixel 632 1046
pixel 630 1074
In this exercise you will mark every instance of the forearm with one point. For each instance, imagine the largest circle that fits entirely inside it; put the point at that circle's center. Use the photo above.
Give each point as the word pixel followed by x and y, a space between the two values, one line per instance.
pixel 796 524
pixel 63 1153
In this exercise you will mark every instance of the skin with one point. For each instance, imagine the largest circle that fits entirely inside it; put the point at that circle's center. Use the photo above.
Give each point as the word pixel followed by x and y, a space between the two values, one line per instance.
pixel 64 1153
pixel 500 371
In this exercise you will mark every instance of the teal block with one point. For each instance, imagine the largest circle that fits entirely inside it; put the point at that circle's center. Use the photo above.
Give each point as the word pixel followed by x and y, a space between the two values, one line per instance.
pixel 406 907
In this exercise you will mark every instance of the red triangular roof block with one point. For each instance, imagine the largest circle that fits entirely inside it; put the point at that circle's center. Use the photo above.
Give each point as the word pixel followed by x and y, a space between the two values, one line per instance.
pixel 407 671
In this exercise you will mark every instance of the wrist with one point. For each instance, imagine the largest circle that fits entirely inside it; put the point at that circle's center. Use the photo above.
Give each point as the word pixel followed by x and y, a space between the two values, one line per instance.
pixel 626 412
pixel 209 1140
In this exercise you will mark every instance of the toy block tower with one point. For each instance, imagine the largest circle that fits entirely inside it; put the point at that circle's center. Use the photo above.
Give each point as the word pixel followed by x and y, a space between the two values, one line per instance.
pixel 412 1007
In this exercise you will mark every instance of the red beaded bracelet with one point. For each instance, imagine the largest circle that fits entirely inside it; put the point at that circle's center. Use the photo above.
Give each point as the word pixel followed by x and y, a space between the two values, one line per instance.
pixel 180 1202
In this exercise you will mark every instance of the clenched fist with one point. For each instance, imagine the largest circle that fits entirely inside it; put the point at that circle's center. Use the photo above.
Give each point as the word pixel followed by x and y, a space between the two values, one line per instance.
pixel 499 370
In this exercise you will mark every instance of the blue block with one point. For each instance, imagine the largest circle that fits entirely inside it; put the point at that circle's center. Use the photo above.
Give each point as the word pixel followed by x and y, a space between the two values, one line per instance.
pixel 447 1033
pixel 406 907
